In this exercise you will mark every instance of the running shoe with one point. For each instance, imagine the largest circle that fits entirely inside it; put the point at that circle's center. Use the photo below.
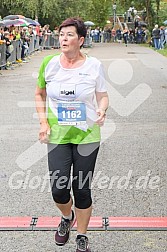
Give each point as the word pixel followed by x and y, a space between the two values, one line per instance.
pixel 63 231
pixel 82 244
pixel 19 61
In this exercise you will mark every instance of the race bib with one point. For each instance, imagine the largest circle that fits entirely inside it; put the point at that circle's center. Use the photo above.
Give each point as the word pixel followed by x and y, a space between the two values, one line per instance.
pixel 71 113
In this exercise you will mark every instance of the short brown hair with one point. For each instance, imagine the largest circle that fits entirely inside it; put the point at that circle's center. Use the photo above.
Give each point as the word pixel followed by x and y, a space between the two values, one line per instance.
pixel 78 23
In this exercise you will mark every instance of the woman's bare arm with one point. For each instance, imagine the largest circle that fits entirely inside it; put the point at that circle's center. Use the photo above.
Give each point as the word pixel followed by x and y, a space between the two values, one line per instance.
pixel 102 102
pixel 40 99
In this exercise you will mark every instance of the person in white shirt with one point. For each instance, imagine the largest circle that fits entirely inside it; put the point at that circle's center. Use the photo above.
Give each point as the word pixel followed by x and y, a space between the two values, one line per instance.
pixel 75 87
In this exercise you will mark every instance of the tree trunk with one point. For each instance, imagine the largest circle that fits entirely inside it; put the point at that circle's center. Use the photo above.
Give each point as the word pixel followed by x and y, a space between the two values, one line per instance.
pixel 158 6
pixel 148 11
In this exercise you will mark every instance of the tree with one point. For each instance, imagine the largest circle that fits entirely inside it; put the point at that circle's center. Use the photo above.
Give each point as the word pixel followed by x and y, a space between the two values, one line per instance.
pixel 26 7
pixel 100 12
pixel 53 12
pixel 154 9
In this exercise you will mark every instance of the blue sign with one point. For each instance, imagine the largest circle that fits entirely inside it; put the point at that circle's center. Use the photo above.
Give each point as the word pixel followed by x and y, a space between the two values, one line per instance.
pixel 71 113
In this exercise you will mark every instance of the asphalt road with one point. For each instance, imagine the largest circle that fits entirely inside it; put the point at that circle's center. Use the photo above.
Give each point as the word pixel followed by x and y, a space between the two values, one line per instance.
pixel 130 177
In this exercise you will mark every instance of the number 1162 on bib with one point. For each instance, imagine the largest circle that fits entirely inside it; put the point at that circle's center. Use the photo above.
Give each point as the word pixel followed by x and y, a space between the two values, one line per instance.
pixel 71 113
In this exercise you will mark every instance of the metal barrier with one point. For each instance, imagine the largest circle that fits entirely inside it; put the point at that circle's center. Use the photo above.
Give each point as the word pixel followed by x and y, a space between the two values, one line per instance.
pixel 48 41
pixel 36 44
pixel 18 49
pixel 31 45
pixel 12 58
pixel 2 55
pixel 56 43
pixel 51 41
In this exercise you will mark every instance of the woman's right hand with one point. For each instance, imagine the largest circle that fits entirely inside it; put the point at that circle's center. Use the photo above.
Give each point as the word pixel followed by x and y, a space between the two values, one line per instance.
pixel 44 132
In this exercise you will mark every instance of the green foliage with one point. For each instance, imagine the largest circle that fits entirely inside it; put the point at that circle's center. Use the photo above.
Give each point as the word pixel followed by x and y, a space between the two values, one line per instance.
pixel 98 11
pixel 156 9
pixel 70 8
pixel 28 8
pixel 163 52
pixel 93 10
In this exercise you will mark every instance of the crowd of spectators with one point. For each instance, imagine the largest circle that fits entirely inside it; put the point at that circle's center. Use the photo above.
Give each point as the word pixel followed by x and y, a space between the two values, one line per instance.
pixel 137 35
pixel 23 34
pixel 159 37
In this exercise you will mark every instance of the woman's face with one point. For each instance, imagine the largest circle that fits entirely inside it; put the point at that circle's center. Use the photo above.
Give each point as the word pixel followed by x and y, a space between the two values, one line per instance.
pixel 69 39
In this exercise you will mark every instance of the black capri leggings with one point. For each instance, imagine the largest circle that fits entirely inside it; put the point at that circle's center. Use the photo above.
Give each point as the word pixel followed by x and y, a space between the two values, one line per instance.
pixel 60 160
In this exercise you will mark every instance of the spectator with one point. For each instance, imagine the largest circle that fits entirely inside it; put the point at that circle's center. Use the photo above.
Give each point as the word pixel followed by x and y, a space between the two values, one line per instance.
pixel 96 35
pixel 25 39
pixel 8 44
pixel 46 32
pixel 131 35
pixel 33 34
pixel 118 35
pixel 1 33
pixel 125 16
pixel 125 36
pixel 17 37
pixel 129 15
pixel 146 34
pixel 56 37
pixel 40 38
pixel 156 37
pixel 16 33
pixel 108 35
pixel 162 37
pixel 165 32
pixel 136 20
pixel 139 35
pixel 113 32
pixel 105 34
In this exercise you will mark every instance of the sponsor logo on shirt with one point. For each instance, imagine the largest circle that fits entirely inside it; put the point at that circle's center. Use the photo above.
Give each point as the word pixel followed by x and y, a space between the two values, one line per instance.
pixel 67 92
pixel 84 74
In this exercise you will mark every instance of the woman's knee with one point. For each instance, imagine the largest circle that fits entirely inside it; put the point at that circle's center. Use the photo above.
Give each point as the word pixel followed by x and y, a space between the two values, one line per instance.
pixel 82 198
pixel 61 196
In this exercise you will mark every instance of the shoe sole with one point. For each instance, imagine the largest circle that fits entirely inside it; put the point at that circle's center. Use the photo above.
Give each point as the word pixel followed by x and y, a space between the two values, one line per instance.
pixel 62 244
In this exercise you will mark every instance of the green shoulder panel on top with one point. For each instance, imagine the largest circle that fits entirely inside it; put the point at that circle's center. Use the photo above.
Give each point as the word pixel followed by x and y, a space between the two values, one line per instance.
pixel 41 76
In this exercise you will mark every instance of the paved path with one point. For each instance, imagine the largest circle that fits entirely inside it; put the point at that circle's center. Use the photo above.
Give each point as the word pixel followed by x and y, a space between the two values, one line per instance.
pixel 132 158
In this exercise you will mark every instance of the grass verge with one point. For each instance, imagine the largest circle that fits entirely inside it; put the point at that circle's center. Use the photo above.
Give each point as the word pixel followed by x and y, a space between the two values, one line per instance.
pixel 162 51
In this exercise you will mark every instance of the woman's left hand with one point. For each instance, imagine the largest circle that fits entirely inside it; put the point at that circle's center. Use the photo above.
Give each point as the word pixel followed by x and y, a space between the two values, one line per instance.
pixel 102 115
